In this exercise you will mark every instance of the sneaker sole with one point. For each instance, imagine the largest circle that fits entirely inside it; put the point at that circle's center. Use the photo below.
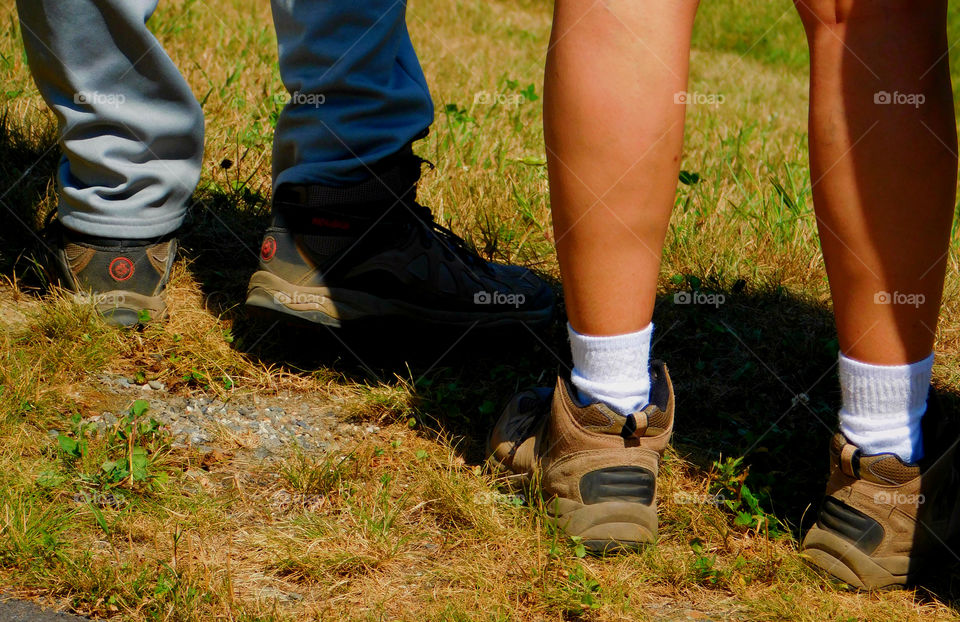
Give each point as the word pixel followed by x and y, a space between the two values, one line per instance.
pixel 846 562
pixel 124 307
pixel 334 306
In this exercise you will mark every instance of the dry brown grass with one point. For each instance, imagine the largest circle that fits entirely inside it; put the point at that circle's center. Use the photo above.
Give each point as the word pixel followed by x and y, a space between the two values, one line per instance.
pixel 409 525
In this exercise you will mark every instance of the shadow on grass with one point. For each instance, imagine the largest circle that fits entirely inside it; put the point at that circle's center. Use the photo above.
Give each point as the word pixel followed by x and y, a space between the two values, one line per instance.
pixel 27 165
pixel 221 239
pixel 755 375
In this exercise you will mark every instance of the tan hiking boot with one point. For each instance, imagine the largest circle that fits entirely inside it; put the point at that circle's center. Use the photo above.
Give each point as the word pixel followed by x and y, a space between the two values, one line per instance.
pixel 883 521
pixel 597 469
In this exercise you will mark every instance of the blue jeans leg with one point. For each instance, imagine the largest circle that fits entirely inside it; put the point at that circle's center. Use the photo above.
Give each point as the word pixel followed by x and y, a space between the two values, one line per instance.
pixel 357 92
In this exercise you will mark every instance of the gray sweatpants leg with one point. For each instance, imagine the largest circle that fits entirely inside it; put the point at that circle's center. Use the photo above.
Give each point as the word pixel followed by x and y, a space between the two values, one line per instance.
pixel 130 127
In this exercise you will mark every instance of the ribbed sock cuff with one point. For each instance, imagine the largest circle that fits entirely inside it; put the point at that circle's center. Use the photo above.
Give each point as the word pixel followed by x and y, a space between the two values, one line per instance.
pixel 612 369
pixel 883 406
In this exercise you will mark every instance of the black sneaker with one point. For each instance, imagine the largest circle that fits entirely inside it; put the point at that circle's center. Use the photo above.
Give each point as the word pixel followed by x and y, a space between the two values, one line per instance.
pixel 332 255
pixel 124 279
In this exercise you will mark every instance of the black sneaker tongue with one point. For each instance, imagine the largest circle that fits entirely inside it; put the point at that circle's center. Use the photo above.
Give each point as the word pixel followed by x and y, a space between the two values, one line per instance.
pixel 392 182
pixel 72 238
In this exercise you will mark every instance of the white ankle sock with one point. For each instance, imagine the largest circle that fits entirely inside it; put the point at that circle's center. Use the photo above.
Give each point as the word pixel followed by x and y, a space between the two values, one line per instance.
pixel 613 369
pixel 883 406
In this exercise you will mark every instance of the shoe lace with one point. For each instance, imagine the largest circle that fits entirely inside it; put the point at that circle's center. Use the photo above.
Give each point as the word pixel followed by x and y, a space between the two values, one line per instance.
pixel 452 243
pixel 530 424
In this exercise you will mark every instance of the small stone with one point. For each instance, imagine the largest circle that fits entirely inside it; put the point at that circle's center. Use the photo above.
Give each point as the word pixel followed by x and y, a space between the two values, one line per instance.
pixel 262 453
pixel 53 433
pixel 213 457
pixel 156 385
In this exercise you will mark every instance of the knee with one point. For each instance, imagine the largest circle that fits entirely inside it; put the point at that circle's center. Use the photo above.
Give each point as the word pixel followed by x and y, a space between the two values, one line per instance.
pixel 907 14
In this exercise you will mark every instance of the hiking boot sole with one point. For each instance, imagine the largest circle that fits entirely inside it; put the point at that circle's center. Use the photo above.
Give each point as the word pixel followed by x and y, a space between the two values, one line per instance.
pixel 334 306
pixel 845 561
pixel 606 528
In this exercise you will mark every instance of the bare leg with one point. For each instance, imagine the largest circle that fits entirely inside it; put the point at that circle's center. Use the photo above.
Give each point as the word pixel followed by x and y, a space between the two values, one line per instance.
pixel 614 134
pixel 884 174
pixel 883 158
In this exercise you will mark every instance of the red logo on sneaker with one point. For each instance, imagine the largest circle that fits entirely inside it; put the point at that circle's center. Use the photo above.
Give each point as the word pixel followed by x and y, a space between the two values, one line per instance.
pixel 268 249
pixel 330 223
pixel 121 269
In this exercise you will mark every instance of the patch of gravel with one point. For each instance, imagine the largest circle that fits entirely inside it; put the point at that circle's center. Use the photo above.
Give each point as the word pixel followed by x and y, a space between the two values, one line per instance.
pixel 264 426
pixel 685 610
pixel 25 611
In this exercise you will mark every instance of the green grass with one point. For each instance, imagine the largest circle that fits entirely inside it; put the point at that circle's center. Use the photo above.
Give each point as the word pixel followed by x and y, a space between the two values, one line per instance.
pixel 409 525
